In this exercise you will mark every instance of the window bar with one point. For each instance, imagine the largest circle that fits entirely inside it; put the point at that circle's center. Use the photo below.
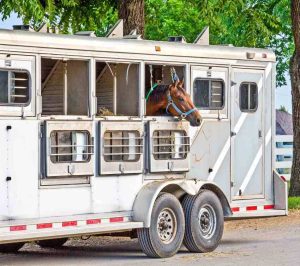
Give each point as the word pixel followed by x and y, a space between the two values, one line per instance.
pixel 249 95
pixel 210 92
pixel 111 143
pixel 65 89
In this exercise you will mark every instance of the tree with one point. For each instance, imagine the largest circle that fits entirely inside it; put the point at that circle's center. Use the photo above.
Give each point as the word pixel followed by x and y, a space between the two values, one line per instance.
pixel 132 12
pixel 295 80
pixel 78 15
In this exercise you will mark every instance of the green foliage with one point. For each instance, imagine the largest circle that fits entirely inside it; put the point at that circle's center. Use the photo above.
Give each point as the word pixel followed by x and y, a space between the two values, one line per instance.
pixel 172 18
pixel 282 108
pixel 251 23
pixel 294 203
pixel 68 16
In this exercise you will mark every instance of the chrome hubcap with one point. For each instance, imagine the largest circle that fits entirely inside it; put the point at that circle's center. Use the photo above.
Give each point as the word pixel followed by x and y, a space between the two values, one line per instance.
pixel 166 225
pixel 207 220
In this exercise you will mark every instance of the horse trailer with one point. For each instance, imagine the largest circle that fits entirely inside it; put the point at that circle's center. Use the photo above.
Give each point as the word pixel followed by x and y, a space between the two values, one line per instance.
pixel 80 154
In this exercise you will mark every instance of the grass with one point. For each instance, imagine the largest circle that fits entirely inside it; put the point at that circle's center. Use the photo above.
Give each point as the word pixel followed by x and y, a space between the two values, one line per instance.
pixel 294 203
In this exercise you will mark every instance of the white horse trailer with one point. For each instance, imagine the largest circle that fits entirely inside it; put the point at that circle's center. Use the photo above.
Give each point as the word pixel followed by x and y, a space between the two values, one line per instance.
pixel 67 170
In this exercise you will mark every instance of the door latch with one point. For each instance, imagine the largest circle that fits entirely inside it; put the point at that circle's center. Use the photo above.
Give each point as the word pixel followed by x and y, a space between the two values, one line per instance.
pixel 259 133
pixel 232 134
pixel 170 166
pixel 71 169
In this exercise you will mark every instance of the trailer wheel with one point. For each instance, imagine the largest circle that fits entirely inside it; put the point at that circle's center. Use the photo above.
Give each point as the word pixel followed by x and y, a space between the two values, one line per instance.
pixel 11 247
pixel 52 243
pixel 165 235
pixel 204 221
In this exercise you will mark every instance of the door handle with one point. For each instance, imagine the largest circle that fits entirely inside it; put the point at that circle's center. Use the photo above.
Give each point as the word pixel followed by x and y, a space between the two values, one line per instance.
pixel 259 133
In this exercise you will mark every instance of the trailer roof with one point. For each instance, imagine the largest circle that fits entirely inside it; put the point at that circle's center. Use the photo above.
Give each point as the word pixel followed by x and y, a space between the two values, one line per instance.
pixel 18 38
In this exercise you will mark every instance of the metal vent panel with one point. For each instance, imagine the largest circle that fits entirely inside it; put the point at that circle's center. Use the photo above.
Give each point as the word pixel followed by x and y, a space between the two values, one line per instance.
pixel 121 147
pixel 69 148
pixel 169 146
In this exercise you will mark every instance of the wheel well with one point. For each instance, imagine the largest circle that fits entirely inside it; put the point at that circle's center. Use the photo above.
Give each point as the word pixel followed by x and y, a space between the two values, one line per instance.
pixel 176 190
pixel 225 204
pixel 179 193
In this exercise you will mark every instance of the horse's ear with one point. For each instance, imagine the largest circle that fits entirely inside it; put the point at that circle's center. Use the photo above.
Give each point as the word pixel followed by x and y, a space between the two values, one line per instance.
pixel 176 83
pixel 182 82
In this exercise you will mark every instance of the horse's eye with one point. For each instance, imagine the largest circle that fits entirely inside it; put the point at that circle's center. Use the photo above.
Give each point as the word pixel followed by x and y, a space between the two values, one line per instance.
pixel 181 99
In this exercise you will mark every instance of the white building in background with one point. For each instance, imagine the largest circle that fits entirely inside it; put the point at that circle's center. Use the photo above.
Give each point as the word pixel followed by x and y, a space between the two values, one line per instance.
pixel 284 142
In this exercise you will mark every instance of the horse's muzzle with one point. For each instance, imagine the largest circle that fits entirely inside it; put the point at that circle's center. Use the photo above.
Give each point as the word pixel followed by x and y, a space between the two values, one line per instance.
pixel 196 122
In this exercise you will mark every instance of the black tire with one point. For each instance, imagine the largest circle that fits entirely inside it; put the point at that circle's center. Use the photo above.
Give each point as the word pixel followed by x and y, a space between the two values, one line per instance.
pixel 164 237
pixel 11 247
pixel 52 243
pixel 204 221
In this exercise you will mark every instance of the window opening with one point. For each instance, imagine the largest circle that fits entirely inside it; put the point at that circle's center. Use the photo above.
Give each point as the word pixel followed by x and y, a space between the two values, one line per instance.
pixel 65 87
pixel 14 87
pixel 160 77
pixel 209 94
pixel 248 97
pixel 117 89
pixel 70 146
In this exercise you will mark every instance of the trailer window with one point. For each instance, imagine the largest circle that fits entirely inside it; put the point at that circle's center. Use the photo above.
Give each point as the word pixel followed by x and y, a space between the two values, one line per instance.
pixel 65 87
pixel 117 89
pixel 70 146
pixel 248 97
pixel 169 144
pixel 14 87
pixel 161 74
pixel 122 146
pixel 209 94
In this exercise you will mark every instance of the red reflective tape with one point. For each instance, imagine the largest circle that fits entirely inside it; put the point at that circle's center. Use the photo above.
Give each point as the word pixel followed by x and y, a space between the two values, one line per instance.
pixel 44 226
pixel 251 208
pixel 18 228
pixel 116 219
pixel 235 209
pixel 93 221
pixel 69 223
pixel 268 207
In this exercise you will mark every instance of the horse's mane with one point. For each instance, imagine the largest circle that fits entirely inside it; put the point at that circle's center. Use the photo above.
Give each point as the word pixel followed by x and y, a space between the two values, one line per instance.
pixel 158 92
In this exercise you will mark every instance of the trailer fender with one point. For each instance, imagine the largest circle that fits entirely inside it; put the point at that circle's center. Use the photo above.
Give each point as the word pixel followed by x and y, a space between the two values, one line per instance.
pixel 144 201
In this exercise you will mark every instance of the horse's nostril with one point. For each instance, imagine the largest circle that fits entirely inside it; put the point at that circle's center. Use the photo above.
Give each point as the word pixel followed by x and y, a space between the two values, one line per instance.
pixel 198 120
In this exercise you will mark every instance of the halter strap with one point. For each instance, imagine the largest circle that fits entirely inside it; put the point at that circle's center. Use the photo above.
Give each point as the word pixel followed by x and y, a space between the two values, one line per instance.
pixel 179 112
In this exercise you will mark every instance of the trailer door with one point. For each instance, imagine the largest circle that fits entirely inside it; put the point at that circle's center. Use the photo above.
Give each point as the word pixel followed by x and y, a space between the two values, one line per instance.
pixel 247 134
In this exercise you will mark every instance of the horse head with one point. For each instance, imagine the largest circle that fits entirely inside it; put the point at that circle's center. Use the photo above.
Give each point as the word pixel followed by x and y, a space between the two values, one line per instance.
pixel 174 100
pixel 180 104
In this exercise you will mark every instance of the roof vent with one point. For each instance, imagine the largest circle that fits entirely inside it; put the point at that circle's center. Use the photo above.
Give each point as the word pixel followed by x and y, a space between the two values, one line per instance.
pixel 86 33
pixel 117 30
pixel 23 27
pixel 203 37
pixel 133 35
pixel 180 39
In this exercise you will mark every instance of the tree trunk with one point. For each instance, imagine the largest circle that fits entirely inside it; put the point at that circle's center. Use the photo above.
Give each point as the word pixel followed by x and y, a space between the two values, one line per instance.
pixel 295 80
pixel 132 12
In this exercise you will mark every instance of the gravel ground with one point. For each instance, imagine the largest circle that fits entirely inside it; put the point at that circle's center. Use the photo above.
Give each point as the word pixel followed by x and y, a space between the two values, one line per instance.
pixel 271 241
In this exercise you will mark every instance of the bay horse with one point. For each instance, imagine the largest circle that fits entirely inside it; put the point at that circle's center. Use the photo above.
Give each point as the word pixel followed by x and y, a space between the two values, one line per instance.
pixel 173 100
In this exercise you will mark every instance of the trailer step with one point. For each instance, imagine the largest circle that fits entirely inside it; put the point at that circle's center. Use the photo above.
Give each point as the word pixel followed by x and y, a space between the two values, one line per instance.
pixel 252 213
pixel 67 228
